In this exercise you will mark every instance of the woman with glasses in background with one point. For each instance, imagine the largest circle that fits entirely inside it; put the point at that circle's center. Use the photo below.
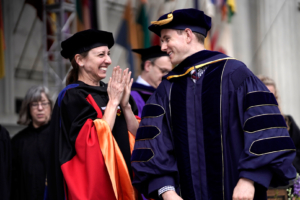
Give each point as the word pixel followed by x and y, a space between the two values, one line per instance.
pixel 29 146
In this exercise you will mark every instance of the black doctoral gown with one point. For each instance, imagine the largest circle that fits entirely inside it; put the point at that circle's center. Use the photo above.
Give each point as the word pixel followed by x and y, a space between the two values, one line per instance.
pixel 29 150
pixel 76 160
pixel 5 163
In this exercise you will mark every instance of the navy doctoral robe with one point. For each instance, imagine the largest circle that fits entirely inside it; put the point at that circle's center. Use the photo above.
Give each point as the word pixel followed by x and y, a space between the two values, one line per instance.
pixel 202 137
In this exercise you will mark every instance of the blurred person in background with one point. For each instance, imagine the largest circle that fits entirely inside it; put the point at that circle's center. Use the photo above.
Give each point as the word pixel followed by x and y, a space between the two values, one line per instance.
pixel 93 124
pixel 29 146
pixel 5 164
pixel 155 64
pixel 292 127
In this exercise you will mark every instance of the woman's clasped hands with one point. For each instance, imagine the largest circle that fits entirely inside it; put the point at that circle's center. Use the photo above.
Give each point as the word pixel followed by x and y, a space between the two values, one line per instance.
pixel 119 87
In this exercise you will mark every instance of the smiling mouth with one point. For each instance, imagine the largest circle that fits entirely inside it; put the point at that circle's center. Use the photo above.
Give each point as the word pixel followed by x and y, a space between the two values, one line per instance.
pixel 103 68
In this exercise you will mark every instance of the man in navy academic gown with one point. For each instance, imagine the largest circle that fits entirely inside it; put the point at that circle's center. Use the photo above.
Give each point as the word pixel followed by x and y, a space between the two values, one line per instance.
pixel 211 130
pixel 155 65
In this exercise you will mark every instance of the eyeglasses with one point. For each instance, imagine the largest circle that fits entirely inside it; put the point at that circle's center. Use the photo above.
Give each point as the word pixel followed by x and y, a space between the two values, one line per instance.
pixel 35 105
pixel 163 71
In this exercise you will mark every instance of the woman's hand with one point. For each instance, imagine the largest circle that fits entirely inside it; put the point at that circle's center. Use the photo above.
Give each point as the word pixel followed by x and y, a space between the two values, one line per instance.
pixel 116 84
pixel 118 90
pixel 127 89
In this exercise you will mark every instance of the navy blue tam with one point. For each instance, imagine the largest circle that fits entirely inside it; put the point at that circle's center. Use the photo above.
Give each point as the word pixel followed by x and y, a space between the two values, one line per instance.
pixel 84 41
pixel 181 19
pixel 151 52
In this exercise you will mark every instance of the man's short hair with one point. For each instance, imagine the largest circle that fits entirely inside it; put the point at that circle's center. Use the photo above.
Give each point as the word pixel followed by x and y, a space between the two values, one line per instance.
pixel 152 60
pixel 200 38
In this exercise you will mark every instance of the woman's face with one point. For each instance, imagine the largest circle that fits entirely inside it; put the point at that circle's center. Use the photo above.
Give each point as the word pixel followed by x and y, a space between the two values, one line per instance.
pixel 96 63
pixel 272 89
pixel 40 111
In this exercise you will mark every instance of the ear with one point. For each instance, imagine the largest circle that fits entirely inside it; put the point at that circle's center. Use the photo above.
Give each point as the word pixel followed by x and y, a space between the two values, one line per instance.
pixel 189 35
pixel 147 65
pixel 79 60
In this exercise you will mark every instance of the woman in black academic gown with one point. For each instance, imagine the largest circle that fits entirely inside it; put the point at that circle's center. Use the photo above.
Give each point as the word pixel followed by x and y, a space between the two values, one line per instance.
pixel 28 146
pixel 5 164
pixel 93 124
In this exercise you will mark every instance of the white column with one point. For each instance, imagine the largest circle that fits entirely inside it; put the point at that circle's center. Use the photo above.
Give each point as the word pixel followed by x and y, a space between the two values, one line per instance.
pixel 268 41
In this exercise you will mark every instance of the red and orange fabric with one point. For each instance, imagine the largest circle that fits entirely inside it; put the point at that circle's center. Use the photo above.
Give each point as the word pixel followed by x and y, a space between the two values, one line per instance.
pixel 113 167
pixel 94 161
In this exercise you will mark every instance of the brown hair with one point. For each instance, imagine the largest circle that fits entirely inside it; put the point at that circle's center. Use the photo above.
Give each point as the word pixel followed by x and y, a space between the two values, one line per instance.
pixel 73 74
pixel 268 81
pixel 200 38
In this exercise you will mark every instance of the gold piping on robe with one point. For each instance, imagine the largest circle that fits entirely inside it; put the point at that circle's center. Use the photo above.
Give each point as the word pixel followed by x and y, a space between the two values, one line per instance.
pixel 148 159
pixel 261 105
pixel 159 131
pixel 264 128
pixel 269 151
pixel 154 116
pixel 199 66
pixel 257 91
pixel 221 131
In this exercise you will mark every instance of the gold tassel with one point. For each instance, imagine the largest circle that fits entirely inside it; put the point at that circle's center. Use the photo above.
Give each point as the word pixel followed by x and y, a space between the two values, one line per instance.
pixel 163 21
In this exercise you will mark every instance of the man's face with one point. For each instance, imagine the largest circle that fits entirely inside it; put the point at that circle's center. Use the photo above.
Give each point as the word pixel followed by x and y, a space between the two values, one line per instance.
pixel 159 68
pixel 174 44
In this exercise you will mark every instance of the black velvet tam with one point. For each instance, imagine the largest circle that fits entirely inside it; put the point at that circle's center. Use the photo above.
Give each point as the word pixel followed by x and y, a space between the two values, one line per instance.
pixel 84 41
pixel 151 52
pixel 181 19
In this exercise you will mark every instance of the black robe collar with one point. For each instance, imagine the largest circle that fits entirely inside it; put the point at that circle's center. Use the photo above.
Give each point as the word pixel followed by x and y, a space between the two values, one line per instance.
pixel 39 129
pixel 101 88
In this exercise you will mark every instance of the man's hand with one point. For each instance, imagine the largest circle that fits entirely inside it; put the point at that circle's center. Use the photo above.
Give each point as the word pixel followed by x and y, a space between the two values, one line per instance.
pixel 244 190
pixel 171 195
